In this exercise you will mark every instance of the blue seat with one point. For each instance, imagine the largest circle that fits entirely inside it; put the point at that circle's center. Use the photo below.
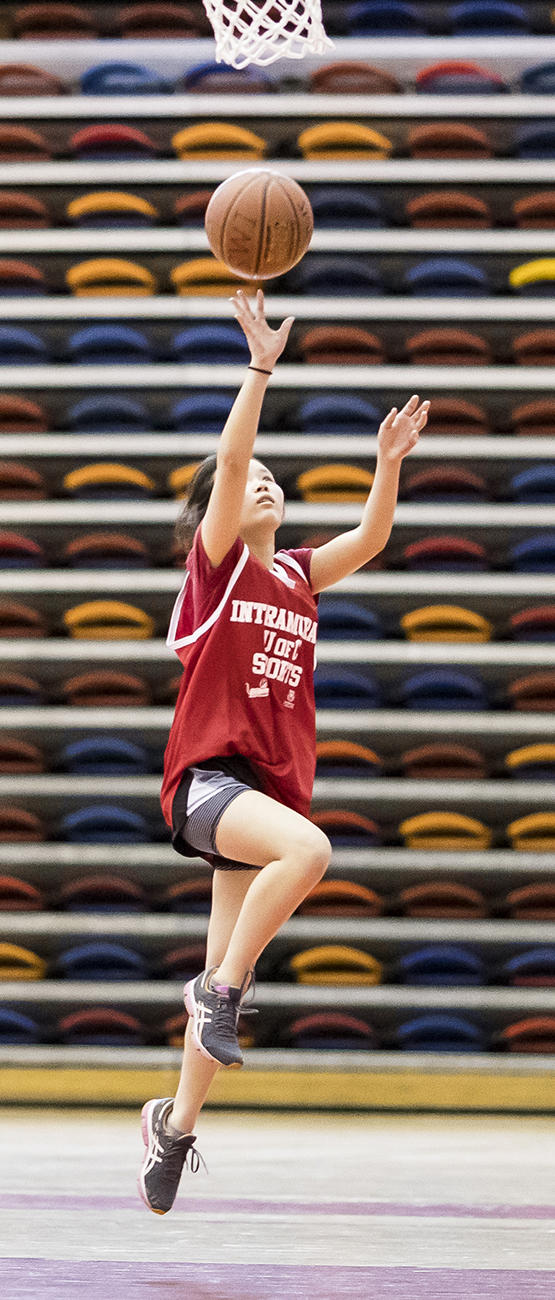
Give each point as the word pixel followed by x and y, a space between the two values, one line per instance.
pixel 489 18
pixel 201 412
pixel 535 485
pixel 345 689
pixel 535 140
pixel 104 824
pixel 539 79
pixel 385 18
pixel 111 344
pixel 101 960
pixel 534 555
pixel 446 277
pixel 108 413
pixel 347 620
pixel 534 967
pixel 207 344
pixel 443 689
pixel 338 413
pixel 17 1028
pixel 209 76
pixel 439 1032
pixel 342 207
pixel 443 964
pixel 123 79
pixel 336 276
pixel 21 346
pixel 105 756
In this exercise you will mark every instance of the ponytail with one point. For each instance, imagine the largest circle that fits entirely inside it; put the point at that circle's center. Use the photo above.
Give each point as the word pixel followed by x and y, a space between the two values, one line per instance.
pixel 194 508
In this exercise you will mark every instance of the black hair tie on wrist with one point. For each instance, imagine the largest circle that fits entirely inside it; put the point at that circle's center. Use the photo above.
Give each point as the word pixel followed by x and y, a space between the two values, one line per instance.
pixel 259 371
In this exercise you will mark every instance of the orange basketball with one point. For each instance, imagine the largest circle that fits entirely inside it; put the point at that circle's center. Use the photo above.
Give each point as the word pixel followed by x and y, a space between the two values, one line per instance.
pixel 259 223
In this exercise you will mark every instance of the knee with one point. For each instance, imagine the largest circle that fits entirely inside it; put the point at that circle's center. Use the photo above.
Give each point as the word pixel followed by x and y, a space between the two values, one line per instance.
pixel 314 855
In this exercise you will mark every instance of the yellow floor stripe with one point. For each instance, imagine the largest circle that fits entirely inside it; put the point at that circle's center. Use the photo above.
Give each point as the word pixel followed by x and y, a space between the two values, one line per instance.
pixel 394 1090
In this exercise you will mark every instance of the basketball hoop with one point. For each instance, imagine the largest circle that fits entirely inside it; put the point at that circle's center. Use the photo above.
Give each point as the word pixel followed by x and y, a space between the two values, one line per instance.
pixel 261 31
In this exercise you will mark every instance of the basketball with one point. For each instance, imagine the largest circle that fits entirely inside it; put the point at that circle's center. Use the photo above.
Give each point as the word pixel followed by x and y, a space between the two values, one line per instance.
pixel 259 223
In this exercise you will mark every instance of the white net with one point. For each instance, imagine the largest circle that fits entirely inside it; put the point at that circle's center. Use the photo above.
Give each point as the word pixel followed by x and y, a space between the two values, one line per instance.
pixel 261 31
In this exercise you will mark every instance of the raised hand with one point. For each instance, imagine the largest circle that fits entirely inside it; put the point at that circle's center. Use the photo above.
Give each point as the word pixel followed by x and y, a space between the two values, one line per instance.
pixel 266 345
pixel 398 433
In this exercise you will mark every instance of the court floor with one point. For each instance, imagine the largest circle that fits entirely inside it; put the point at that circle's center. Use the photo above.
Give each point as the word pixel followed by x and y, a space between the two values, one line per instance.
pixel 398 1207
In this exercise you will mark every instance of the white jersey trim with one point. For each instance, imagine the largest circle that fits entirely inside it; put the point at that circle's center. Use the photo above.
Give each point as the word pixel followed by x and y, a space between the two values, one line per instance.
pixel 175 644
pixel 282 558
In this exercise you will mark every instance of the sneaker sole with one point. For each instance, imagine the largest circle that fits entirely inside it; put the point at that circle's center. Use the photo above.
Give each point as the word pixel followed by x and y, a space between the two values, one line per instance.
pixel 146 1130
pixel 190 1003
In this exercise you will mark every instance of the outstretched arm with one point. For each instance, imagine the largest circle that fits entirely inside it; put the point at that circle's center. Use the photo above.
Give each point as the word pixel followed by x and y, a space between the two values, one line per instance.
pixel 220 525
pixel 397 436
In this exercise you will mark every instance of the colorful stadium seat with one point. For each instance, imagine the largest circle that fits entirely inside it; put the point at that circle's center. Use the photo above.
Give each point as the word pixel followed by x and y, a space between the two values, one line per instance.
pixel 110 277
pixel 439 759
pixel 108 413
pixel 21 211
pixel 329 1031
pixel 534 833
pixel 111 208
pixel 19 482
pixel 342 758
pixel 534 348
pixel 443 689
pixel 21 825
pixel 534 762
pixel 350 140
pixel 446 277
pixel 535 278
pixel 19 143
pixel 334 964
pixel 534 902
pixel 18 1029
pixel 104 824
pixel 445 623
pixel 108 620
pixel 445 830
pixel 347 620
pixel 442 900
pixel 111 142
pixel 535 141
pixel 219 343
pixel 21 279
pixel 17 690
pixel 445 483
pixel 448 140
pixel 17 963
pixel 441 965
pixel 535 211
pixel 456 77
pixel 340 345
pixel 534 691
pixel 22 346
pixel 100 960
pixel 20 552
pixel 341 898
pixel 103 550
pixel 489 18
pixel 36 22
pixel 344 688
pixel 352 77
pixel 534 486
pixel 106 688
pixel 188 897
pixel 385 18
pixel 448 347
pixel 219 79
pixel 534 554
pixel 457 415
pixel 101 1027
pixel 18 755
pixel 18 895
pixel 448 554
pixel 536 623
pixel 440 1032
pixel 21 620
pixel 335 482
pixel 336 276
pixel 539 79
pixel 532 1034
pixel 156 21
pixel 348 829
pixel 108 480
pixel 123 79
pixel 534 968
pixel 448 209
pixel 189 209
pixel 103 894
pixel 221 140
pixel 28 79
pixel 110 344
pixel 534 419
pixel 201 412
pixel 338 413
pixel 105 756
pixel 206 276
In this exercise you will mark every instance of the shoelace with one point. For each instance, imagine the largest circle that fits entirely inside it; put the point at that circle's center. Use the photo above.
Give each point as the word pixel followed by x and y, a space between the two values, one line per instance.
pixel 172 1155
pixel 244 1009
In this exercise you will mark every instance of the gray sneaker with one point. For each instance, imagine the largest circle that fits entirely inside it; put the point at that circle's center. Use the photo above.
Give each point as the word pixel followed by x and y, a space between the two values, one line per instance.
pixel 214 1014
pixel 164 1157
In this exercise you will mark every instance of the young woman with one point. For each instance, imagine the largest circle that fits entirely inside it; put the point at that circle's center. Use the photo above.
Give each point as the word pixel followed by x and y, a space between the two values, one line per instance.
pixel 239 764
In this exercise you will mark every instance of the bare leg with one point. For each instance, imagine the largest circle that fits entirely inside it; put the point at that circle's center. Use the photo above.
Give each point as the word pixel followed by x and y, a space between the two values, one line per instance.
pixel 228 891
pixel 293 854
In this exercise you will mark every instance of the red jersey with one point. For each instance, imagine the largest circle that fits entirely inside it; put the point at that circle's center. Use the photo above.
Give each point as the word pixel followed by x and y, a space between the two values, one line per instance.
pixel 246 637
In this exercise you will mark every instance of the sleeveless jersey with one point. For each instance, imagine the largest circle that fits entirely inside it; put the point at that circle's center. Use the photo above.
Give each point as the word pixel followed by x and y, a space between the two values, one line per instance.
pixel 246 637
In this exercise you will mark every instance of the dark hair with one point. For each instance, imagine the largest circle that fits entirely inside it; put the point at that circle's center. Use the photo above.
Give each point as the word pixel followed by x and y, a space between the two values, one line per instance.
pixel 194 508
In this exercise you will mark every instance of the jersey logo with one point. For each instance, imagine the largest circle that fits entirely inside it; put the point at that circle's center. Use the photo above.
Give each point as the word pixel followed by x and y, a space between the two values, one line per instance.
pixel 289 701
pixel 256 692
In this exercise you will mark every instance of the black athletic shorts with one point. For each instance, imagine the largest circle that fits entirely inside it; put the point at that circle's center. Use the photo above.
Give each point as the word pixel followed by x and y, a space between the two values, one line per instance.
pixel 202 796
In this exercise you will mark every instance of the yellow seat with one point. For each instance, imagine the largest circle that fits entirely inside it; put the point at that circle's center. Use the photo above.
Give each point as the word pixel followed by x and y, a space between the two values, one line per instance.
pixel 18 963
pixel 179 479
pixel 218 140
pixel 445 830
pixel 343 140
pixel 534 833
pixel 530 754
pixel 207 277
pixel 108 620
pixel 541 268
pixel 336 482
pixel 101 201
pixel 336 963
pixel 110 277
pixel 445 623
pixel 107 472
